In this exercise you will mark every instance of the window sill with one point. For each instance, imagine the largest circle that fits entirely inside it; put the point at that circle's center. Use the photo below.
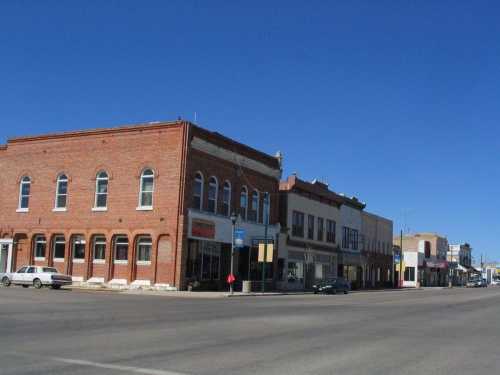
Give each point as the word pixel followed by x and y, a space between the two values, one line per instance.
pixel 122 262
pixel 143 263
pixel 58 260
pixel 59 209
pixel 144 208
pixel 99 209
pixel 98 261
pixel 39 259
pixel 78 260
pixel 23 210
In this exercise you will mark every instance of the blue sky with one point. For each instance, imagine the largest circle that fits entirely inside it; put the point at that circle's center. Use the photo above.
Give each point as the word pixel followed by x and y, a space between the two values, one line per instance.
pixel 396 102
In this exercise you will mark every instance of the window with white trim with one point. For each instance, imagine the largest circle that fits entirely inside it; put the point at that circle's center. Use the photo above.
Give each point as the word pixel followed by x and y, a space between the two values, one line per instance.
pixel 61 192
pixel 253 212
pixel 40 247
pixel 243 202
pixel 78 248
pixel 198 191
pixel 101 190
pixel 226 199
pixel 24 193
pixel 147 188
pixel 59 248
pixel 121 249
pixel 266 208
pixel 212 194
pixel 144 247
pixel 99 249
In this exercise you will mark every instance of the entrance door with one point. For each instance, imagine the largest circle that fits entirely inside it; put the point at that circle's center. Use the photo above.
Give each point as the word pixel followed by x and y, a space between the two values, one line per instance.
pixel 5 255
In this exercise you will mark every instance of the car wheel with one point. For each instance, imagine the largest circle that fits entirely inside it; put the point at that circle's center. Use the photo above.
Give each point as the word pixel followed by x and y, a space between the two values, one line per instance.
pixel 25 286
pixel 5 281
pixel 37 283
pixel 56 287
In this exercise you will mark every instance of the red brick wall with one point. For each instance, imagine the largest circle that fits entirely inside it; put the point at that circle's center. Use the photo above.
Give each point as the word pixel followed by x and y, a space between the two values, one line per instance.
pixel 123 155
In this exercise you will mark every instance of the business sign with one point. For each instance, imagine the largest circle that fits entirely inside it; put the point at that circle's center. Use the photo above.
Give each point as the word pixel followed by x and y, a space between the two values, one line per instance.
pixel 203 228
pixel 268 253
pixel 441 265
pixel 239 237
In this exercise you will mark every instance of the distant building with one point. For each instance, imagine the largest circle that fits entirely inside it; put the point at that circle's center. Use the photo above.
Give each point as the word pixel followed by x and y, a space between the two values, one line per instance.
pixel 424 259
pixel 459 259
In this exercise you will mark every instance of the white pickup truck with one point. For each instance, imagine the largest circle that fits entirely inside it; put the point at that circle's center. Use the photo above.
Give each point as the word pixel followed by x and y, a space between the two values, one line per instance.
pixel 36 276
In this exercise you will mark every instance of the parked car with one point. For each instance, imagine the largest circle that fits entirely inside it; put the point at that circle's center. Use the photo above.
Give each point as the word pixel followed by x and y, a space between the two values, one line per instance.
pixel 332 286
pixel 495 282
pixel 36 276
pixel 476 283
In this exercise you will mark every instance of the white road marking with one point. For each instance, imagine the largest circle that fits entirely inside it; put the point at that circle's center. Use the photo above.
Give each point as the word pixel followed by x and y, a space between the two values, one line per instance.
pixel 136 370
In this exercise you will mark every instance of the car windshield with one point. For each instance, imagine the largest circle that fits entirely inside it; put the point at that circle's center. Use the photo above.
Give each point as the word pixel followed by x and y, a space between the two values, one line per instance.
pixel 49 270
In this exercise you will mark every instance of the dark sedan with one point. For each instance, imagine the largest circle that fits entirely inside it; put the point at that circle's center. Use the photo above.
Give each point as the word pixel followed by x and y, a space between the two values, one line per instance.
pixel 332 286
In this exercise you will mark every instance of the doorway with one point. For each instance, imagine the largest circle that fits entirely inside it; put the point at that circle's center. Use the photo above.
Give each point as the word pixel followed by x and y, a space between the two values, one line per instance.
pixel 5 255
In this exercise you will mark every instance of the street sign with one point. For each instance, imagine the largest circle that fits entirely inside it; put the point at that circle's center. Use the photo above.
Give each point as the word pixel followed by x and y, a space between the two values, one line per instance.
pixel 239 237
pixel 397 258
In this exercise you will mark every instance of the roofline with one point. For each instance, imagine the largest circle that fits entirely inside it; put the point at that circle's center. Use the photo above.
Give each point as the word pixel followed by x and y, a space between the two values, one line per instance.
pixel 98 131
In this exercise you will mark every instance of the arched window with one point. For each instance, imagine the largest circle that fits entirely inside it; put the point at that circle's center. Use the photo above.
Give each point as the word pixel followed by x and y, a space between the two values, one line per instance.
pixel 24 194
pixel 59 248
pixel 144 246
pixel 101 190
pixel 61 192
pixel 40 246
pixel 99 249
pixel 226 199
pixel 78 249
pixel 243 202
pixel 120 250
pixel 253 212
pixel 266 210
pixel 198 191
pixel 212 194
pixel 147 188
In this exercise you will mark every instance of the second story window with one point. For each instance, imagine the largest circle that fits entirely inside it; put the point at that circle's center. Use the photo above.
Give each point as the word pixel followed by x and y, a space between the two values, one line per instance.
pixel 253 212
pixel 61 192
pixel 147 188
pixel 266 209
pixel 198 191
pixel 226 199
pixel 310 227
pixel 330 231
pixel 101 190
pixel 427 249
pixel 24 193
pixel 212 195
pixel 297 224
pixel 321 225
pixel 243 202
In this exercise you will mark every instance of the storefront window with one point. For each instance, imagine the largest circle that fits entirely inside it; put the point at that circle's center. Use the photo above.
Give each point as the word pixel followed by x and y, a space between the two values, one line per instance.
pixel 295 272
pixel 204 260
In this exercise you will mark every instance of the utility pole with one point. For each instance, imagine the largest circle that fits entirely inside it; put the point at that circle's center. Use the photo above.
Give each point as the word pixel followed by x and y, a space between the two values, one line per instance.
pixel 233 224
pixel 266 223
pixel 401 262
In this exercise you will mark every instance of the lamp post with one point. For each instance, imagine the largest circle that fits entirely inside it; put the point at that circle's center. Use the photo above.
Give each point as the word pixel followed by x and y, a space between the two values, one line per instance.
pixel 233 224
pixel 266 224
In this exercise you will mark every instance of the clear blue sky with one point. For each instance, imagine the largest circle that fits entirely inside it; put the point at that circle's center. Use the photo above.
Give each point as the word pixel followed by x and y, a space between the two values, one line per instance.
pixel 396 102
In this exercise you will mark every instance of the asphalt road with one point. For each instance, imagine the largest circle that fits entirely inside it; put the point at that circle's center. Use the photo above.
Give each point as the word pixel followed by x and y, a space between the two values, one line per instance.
pixel 415 332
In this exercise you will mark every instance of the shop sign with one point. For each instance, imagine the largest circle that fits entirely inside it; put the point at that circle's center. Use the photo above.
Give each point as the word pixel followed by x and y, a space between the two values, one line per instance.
pixel 441 265
pixel 269 253
pixel 239 237
pixel 397 258
pixel 203 228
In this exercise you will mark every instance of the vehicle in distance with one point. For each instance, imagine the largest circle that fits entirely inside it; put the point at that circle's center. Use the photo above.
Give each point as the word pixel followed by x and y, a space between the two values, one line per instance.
pixel 37 276
pixel 476 283
pixel 332 286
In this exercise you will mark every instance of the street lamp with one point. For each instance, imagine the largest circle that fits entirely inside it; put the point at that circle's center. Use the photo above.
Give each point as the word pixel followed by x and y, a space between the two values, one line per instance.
pixel 266 225
pixel 233 224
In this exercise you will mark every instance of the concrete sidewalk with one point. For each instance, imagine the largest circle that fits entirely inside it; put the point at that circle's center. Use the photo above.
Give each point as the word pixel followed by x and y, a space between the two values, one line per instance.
pixel 225 294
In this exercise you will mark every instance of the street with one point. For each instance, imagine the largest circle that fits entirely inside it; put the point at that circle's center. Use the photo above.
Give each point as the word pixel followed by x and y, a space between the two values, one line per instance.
pixel 438 331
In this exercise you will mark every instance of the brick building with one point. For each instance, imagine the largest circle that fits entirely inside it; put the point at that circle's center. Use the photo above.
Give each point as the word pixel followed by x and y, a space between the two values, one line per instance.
pixel 142 205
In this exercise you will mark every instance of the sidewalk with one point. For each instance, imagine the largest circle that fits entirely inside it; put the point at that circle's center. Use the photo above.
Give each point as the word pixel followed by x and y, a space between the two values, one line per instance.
pixel 225 294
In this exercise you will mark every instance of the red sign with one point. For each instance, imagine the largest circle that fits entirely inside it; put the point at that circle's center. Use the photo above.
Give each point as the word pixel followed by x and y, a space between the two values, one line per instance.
pixel 230 278
pixel 202 228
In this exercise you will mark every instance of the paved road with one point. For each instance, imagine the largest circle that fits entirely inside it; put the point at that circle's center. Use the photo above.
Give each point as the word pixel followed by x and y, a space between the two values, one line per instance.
pixel 415 332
